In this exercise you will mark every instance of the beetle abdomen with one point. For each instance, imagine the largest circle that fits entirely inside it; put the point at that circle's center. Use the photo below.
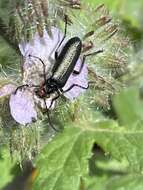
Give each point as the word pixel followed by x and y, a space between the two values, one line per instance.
pixel 66 61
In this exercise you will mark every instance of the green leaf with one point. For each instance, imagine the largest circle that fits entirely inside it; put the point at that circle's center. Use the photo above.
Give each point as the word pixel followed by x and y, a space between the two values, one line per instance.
pixel 129 182
pixel 125 182
pixel 64 161
pixel 129 107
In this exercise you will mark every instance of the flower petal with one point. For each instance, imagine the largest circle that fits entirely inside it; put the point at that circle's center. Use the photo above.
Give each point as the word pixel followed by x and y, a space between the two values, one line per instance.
pixel 42 47
pixel 22 107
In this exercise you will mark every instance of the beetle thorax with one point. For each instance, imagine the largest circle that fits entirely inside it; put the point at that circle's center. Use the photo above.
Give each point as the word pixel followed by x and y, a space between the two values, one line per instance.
pixel 51 86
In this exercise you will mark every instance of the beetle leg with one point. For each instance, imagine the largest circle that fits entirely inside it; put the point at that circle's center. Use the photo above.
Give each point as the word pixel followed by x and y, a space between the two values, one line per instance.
pixel 93 53
pixel 20 87
pixel 49 118
pixel 75 85
pixel 25 85
pixel 83 60
pixel 81 66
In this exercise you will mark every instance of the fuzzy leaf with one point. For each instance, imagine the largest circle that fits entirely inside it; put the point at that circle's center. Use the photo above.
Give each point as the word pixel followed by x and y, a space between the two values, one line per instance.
pixel 64 161
pixel 129 107
pixel 129 182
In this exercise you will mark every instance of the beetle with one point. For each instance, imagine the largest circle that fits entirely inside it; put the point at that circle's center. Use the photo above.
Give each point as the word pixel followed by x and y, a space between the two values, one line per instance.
pixel 63 67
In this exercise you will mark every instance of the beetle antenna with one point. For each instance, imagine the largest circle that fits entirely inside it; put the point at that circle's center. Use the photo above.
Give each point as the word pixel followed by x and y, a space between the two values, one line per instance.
pixel 44 66
pixel 65 32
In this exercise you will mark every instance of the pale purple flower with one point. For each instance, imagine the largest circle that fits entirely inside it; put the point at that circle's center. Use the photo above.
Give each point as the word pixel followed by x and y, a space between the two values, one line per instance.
pixel 23 103
pixel 22 107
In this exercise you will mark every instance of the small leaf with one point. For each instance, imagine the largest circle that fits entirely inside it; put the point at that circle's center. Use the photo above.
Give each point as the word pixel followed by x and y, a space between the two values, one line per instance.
pixel 64 160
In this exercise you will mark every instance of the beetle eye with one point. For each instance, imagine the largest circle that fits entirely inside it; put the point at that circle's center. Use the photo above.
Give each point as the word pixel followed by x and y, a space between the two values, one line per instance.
pixel 40 93
pixel 36 91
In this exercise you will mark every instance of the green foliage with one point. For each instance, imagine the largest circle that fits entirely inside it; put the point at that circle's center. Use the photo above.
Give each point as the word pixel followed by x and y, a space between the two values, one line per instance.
pixel 8 56
pixel 5 167
pixel 128 10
